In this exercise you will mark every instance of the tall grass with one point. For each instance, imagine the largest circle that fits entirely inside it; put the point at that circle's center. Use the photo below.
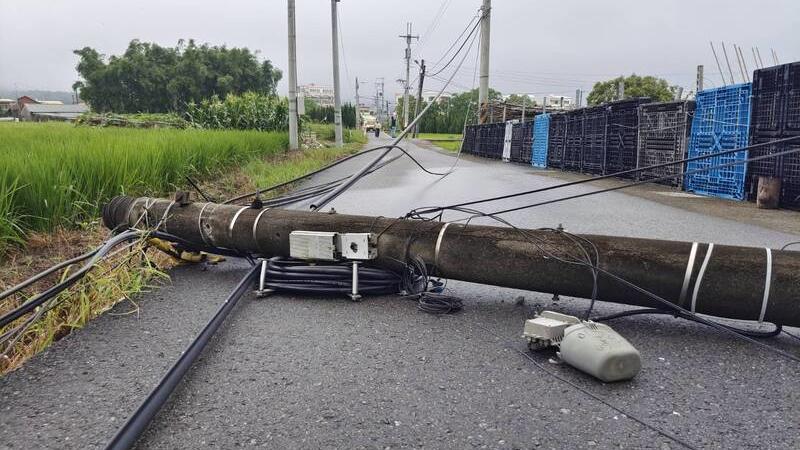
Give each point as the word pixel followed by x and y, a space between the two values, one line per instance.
pixel 55 174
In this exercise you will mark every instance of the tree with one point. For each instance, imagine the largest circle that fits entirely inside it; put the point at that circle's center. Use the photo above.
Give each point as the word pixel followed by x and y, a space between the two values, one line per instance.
pixel 448 114
pixel 517 99
pixel 325 114
pixel 152 78
pixel 658 89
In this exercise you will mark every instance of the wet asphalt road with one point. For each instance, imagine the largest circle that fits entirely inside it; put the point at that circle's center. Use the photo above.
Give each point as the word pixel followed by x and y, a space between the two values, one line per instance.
pixel 299 372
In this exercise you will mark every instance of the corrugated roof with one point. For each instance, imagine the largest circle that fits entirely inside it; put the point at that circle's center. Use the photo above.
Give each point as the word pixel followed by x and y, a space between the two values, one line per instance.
pixel 40 109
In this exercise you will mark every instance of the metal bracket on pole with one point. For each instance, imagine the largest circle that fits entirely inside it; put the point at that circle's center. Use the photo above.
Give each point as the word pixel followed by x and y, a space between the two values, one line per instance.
pixel 262 292
pixel 354 295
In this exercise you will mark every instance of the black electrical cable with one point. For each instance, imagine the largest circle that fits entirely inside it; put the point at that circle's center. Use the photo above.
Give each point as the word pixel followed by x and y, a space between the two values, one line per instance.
pixel 39 299
pixel 317 206
pixel 291 275
pixel 666 303
pixel 452 46
pixel 587 392
pixel 431 295
pixel 443 68
pixel 439 303
pixel 127 436
pixel 47 272
pixel 328 186
pixel 94 257
pixel 637 183
pixel 197 188
pixel 646 311
pixel 303 177
pixel 426 210
pixel 782 248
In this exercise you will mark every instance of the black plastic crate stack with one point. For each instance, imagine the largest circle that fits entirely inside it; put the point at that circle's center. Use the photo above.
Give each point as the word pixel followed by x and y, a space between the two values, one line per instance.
pixel 622 135
pixel 663 136
pixel 498 138
pixel 573 149
pixel 593 158
pixel 775 114
pixel 468 144
pixel 489 140
pixel 522 142
pixel 556 140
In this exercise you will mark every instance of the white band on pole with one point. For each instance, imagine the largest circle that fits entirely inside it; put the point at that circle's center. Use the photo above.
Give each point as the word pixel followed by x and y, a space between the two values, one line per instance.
pixel 688 276
pixel 439 244
pixel 255 227
pixel 233 221
pixel 700 277
pixel 767 285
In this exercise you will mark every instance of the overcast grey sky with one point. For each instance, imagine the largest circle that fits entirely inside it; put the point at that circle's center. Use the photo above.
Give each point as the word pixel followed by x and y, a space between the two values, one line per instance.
pixel 538 46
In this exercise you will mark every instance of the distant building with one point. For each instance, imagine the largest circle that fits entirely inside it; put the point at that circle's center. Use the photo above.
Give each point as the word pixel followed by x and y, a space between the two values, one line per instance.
pixel 7 106
pixel 559 102
pixel 322 95
pixel 39 113
pixel 427 96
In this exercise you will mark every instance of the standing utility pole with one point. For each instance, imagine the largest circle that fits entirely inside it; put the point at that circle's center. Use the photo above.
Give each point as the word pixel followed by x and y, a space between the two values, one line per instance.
pixel 337 98
pixel 699 87
pixel 408 38
pixel 419 94
pixel 483 90
pixel 358 108
pixel 293 141
pixel 621 88
pixel 379 99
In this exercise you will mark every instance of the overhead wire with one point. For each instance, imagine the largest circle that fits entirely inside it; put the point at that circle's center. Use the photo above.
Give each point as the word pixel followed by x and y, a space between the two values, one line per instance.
pixel 426 210
pixel 358 175
pixel 455 42
pixel 444 67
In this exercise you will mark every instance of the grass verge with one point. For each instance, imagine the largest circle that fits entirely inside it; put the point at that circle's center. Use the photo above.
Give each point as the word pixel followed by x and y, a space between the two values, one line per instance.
pixel 449 142
pixel 133 270
pixel 267 172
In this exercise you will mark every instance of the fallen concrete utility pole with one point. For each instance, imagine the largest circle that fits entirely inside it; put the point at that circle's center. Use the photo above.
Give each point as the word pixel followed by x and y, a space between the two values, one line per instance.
pixel 720 280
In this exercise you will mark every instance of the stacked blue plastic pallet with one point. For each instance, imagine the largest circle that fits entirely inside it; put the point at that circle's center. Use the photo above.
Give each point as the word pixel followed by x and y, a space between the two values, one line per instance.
pixel 541 129
pixel 721 121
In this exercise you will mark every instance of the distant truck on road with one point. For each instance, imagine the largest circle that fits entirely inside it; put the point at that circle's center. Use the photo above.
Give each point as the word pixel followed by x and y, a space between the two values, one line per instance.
pixel 370 123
